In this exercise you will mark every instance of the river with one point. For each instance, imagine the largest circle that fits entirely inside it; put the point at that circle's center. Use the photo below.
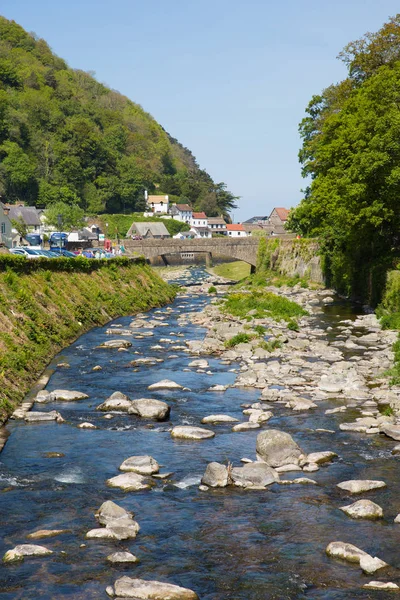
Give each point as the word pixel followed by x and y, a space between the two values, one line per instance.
pixel 224 544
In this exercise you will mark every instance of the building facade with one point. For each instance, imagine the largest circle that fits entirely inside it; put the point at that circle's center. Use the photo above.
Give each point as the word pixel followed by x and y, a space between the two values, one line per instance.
pixel 236 230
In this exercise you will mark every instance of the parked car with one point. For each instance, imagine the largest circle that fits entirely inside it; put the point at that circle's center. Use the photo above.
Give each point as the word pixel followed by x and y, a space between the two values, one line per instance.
pixel 62 252
pixel 25 251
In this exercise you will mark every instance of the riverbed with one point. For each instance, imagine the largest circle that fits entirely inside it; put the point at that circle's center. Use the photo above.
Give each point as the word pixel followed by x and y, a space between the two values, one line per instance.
pixel 227 543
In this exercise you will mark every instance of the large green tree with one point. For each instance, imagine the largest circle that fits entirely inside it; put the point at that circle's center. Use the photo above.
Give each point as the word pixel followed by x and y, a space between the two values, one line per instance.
pixel 351 150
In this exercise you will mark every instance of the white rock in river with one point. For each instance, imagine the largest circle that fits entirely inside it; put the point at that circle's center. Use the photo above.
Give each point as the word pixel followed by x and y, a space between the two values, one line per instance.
pixel 165 384
pixel 200 363
pixel 392 431
pixel 301 404
pixel 32 416
pixel 358 486
pixel 380 585
pixel 43 396
pixel 141 589
pixel 254 474
pixel 67 395
pixel 86 425
pixel 363 509
pixel 43 533
pixel 246 426
pixel 148 408
pixel 123 528
pixel 320 457
pixel 117 401
pixel 144 465
pixel 19 552
pixel 186 432
pixel 219 419
pixel 115 344
pixel 353 554
pixel 122 557
pixel 277 448
pixel 129 482
pixel 110 511
pixel 216 475
pixel 217 388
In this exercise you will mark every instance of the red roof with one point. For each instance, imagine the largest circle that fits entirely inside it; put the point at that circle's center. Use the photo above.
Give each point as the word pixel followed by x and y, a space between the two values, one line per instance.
pixel 199 215
pixel 282 213
pixel 234 227
pixel 184 207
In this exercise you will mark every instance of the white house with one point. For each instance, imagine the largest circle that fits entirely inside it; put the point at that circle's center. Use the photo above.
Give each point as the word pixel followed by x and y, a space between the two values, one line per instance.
pixel 5 226
pixel 199 219
pixel 236 230
pixel 158 204
pixel 200 232
pixel 181 212
pixel 217 225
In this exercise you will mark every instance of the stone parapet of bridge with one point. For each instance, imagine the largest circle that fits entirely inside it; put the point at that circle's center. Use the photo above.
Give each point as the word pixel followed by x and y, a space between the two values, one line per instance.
pixel 241 249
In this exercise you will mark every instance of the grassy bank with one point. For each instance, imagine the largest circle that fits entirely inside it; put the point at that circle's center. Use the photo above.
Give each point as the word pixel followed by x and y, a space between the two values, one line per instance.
pixel 46 308
pixel 235 270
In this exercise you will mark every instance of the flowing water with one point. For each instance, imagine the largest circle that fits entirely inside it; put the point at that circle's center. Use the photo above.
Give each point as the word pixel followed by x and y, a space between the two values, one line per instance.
pixel 224 544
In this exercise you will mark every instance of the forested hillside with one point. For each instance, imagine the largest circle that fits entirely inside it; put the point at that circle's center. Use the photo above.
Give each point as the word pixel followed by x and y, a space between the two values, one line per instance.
pixel 351 150
pixel 66 137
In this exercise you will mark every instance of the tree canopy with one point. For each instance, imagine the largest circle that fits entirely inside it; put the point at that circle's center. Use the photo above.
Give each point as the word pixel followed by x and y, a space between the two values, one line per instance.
pixel 351 151
pixel 66 137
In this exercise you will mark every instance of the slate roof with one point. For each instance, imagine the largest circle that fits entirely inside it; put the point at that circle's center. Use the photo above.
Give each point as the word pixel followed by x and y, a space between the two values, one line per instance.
pixel 28 214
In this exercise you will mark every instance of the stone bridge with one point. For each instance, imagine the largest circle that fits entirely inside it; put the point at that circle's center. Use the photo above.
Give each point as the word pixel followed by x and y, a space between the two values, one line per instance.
pixel 244 249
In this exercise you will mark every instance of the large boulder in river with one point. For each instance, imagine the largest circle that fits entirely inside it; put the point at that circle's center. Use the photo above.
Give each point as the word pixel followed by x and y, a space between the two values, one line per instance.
pixel 363 509
pixel 140 589
pixel 144 465
pixel 149 409
pixel 392 431
pixel 277 448
pixel 110 511
pixel 129 482
pixel 67 395
pixel 19 552
pixel 256 474
pixel 353 554
pixel 115 344
pixel 359 486
pixel 186 432
pixel 53 415
pixel 216 475
pixel 165 384
pixel 117 401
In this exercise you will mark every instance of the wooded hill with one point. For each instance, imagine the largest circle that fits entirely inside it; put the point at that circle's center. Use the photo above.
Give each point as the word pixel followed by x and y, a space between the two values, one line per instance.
pixel 66 137
pixel 351 151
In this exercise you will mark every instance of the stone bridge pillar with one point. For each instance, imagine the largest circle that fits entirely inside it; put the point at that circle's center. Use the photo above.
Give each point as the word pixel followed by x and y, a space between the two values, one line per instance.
pixel 209 262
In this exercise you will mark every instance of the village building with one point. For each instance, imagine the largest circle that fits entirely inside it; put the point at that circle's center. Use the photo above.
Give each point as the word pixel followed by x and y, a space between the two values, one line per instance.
pixel 277 221
pixel 5 226
pixel 158 204
pixel 199 219
pixel 148 231
pixel 257 221
pixel 27 214
pixel 236 230
pixel 181 212
pixel 217 225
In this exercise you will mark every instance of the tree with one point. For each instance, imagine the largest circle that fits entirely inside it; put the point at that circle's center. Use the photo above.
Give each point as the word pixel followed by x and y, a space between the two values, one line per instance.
pixel 68 216
pixel 20 225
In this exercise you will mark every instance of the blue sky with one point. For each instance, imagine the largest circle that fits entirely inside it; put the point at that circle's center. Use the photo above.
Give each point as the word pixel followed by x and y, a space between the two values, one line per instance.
pixel 230 79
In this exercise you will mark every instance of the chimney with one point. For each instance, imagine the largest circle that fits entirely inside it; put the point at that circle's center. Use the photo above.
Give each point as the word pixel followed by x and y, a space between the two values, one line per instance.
pixel 6 209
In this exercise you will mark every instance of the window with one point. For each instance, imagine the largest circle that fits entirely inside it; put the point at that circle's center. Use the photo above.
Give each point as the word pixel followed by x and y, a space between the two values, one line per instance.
pixel 3 228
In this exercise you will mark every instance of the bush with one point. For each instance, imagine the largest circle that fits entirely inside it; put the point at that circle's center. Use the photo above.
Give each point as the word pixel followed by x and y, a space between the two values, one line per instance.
pixel 212 289
pixel 293 325
pixel 240 338
pixel 262 304
pixel 260 330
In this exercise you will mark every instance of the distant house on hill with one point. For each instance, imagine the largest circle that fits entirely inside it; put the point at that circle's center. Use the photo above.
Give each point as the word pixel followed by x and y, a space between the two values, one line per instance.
pixel 236 230
pixel 158 204
pixel 181 212
pixel 28 214
pixel 5 226
pixel 277 220
pixel 148 230
pixel 199 219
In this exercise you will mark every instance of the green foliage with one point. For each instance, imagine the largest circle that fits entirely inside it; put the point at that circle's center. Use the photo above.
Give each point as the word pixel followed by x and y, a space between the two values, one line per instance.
pixel 387 411
pixel 261 305
pixel 66 137
pixel 260 330
pixel 266 250
pixel 20 226
pixel 240 338
pixel 233 270
pixel 65 216
pixel 118 225
pixel 293 325
pixel 351 150
pixel 271 345
pixel 212 289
